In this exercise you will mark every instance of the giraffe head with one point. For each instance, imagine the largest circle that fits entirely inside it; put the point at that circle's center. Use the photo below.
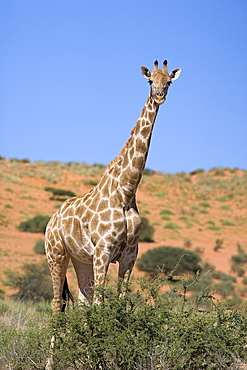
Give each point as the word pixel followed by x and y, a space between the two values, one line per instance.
pixel 160 80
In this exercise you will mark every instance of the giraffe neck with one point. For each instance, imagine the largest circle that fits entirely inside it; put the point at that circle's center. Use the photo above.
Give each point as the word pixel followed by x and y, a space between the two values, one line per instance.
pixel 126 170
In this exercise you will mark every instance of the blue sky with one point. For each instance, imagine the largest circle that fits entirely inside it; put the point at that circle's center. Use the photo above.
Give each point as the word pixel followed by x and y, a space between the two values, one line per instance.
pixel 71 87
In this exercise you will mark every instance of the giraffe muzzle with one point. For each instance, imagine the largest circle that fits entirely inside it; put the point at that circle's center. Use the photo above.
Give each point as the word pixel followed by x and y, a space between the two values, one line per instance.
pixel 161 94
pixel 159 97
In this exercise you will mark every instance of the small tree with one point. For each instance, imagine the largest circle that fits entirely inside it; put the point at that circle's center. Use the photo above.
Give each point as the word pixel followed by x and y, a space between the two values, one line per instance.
pixel 60 194
pixel 146 231
pixel 165 259
pixel 34 284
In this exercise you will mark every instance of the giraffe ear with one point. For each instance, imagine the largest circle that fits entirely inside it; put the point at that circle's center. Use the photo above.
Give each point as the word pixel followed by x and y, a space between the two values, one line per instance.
pixel 145 72
pixel 175 73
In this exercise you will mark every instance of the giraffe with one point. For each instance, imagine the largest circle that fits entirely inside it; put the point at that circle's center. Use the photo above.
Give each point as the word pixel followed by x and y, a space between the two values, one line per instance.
pixel 102 226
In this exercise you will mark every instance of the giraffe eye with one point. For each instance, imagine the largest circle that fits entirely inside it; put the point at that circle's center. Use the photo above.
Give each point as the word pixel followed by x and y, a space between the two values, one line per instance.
pixel 150 82
pixel 169 83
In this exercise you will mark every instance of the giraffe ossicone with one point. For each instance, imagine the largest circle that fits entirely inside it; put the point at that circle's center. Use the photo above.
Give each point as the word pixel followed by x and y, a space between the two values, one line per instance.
pixel 102 226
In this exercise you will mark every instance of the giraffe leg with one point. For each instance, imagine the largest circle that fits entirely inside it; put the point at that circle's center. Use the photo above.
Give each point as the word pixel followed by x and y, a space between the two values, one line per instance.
pixel 128 258
pixel 84 273
pixel 100 268
pixel 58 259
pixel 126 265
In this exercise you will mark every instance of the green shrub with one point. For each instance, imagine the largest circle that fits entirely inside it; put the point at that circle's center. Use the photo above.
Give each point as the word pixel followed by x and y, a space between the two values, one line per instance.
pixel 238 270
pixel 36 224
pixel 219 171
pixel 161 194
pixel 166 212
pixel 213 228
pixel 8 206
pixel 148 172
pixel 226 208
pixel 239 261
pixel 1 294
pixel 172 225
pixel 241 257
pixel 166 218
pixel 60 192
pixel 39 246
pixel 165 259
pixel 197 172
pixel 144 212
pixel 204 204
pixel 127 333
pixel 225 288
pixel 223 199
pixel 227 223
pixel 34 284
pixel 204 282
pixel 146 231
pixel 218 244
pixel 92 182
pixel 9 190
pixel 223 276
pixel 187 243
pixel 188 224
pixel 194 208
pixel 3 221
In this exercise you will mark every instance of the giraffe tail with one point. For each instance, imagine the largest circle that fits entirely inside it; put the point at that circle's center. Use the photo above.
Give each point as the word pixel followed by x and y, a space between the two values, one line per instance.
pixel 66 295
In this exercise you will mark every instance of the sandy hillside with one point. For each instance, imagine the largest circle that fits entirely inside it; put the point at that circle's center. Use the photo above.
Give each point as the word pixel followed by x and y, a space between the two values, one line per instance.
pixel 187 210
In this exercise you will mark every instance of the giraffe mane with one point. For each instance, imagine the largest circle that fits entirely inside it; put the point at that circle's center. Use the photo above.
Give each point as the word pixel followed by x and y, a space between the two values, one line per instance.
pixel 121 153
